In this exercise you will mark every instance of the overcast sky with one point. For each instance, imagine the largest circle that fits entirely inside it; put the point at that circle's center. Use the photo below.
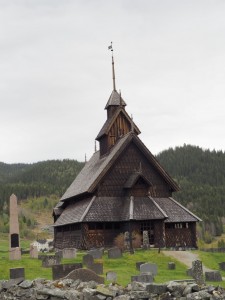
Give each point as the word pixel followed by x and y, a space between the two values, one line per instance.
pixel 55 74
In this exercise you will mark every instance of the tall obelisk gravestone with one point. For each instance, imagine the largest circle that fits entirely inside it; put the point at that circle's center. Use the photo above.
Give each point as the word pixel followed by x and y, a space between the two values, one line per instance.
pixel 14 239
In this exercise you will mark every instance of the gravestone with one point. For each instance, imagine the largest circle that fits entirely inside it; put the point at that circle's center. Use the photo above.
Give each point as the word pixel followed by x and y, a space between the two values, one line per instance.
pixel 15 254
pixel 59 254
pixel 97 268
pixel 41 256
pixel 88 260
pixel 222 266
pixel 69 253
pixel 213 276
pixel 126 240
pixel 16 273
pixel 149 268
pixel 50 260
pixel 138 264
pixel 189 272
pixel 171 266
pixel 96 253
pixel 146 244
pixel 114 253
pixel 147 278
pixel 14 241
pixel 197 272
pixel 33 251
pixel 111 276
pixel 60 271
pixel 85 275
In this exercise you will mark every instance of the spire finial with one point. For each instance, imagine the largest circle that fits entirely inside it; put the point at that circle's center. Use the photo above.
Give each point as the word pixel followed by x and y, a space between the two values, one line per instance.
pixel 113 69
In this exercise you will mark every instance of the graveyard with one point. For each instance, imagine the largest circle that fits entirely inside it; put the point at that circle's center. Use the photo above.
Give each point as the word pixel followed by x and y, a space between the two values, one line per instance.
pixel 125 266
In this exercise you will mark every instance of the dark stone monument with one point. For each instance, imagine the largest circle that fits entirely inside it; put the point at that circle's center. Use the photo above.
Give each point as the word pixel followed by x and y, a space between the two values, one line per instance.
pixel 171 266
pixel 213 276
pixel 60 271
pixel 16 273
pixel 114 253
pixel 88 260
pixel 97 268
pixel 85 275
pixel 197 272
pixel 222 266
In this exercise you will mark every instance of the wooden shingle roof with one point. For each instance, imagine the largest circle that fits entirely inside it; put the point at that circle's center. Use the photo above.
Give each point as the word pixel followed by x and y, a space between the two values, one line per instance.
pixel 175 211
pixel 118 209
pixel 110 209
pixel 115 99
pixel 97 167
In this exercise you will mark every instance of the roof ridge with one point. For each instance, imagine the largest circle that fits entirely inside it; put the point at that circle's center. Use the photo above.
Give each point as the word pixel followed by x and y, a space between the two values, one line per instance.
pixel 159 208
pixel 87 208
pixel 131 208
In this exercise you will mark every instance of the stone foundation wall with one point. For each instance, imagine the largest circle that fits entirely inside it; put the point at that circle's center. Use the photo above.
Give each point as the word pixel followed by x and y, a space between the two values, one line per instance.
pixel 77 290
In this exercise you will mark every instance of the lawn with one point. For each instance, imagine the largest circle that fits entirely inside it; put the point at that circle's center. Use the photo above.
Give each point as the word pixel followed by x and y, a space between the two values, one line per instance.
pixel 125 267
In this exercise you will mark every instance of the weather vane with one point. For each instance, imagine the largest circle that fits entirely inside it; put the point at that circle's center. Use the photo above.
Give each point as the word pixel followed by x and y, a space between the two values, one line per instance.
pixel 110 47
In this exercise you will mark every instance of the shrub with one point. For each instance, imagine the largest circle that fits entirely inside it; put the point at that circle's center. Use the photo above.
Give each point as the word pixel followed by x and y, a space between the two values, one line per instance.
pixel 119 241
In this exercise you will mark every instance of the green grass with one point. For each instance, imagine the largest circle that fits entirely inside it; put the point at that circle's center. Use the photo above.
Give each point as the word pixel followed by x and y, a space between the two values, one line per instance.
pixel 212 260
pixel 125 267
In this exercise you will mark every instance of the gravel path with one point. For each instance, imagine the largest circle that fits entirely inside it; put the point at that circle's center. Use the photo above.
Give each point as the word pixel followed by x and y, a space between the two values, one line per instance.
pixel 186 257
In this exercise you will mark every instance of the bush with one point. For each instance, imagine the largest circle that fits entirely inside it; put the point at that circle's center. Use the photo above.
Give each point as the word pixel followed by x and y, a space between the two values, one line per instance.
pixel 119 241
pixel 221 244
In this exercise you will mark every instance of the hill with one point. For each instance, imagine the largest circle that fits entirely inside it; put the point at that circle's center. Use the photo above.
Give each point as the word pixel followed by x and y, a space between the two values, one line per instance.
pixel 39 184
pixel 201 177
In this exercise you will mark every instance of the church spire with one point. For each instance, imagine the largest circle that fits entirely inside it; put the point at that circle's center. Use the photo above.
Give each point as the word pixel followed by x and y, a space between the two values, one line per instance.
pixel 113 68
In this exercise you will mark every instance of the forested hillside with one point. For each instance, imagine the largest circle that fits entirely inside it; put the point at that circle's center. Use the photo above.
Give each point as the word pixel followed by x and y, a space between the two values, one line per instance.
pixel 201 177
pixel 45 178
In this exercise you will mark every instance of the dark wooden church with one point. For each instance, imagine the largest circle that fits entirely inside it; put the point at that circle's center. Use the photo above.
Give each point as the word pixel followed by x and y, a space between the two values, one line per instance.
pixel 122 187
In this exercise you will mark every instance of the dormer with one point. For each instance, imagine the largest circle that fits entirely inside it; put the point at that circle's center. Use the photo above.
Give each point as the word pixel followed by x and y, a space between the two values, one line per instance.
pixel 138 185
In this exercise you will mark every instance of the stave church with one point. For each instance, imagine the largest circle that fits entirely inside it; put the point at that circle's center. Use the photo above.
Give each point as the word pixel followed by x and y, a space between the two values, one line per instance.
pixel 122 188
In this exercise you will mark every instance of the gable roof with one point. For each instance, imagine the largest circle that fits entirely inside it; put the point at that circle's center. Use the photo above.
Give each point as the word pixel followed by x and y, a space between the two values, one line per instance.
pixel 109 122
pixel 94 170
pixel 115 99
